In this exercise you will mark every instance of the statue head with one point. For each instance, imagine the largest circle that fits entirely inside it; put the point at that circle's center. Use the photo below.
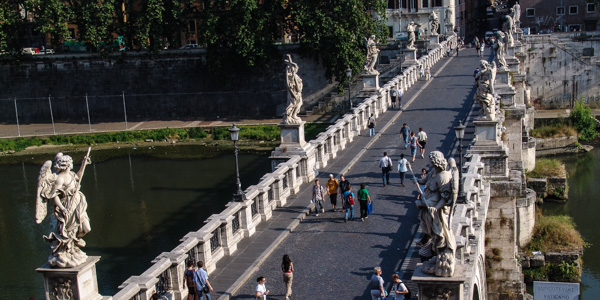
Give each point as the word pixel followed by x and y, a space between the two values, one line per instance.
pixel 438 160
pixel 63 162
pixel 451 163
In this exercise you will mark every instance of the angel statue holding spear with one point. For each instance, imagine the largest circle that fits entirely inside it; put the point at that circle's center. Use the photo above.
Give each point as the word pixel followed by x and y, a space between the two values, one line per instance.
pixel 59 185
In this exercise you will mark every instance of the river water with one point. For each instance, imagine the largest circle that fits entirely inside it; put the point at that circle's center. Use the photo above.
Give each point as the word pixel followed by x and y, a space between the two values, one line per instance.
pixel 584 207
pixel 139 207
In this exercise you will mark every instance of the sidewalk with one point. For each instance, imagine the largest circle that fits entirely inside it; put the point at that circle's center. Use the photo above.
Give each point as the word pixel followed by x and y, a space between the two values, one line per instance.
pixel 333 258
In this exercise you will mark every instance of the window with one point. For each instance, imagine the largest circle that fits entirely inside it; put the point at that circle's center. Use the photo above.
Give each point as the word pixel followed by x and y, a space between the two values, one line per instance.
pixel 437 3
pixel 404 3
pixel 425 3
pixel 591 7
pixel 560 10
pixel 573 10
pixel 530 12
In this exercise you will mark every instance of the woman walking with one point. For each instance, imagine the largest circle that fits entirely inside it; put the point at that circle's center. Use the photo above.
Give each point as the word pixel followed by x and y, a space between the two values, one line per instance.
pixel 403 166
pixel 377 291
pixel 364 200
pixel 189 281
pixel 261 289
pixel 288 269
pixel 414 143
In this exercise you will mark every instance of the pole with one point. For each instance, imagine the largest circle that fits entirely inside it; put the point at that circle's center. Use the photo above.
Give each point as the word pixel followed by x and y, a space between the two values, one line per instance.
pixel 239 195
pixel 87 106
pixel 51 114
pixel 459 166
pixel 125 111
pixel 17 114
pixel 349 99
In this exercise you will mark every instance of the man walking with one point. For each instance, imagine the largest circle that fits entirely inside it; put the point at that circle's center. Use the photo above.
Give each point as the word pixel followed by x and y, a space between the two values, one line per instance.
pixel 372 124
pixel 400 94
pixel 332 190
pixel 201 280
pixel 318 196
pixel 385 163
pixel 405 131
pixel 403 166
pixel 422 137
pixel 344 186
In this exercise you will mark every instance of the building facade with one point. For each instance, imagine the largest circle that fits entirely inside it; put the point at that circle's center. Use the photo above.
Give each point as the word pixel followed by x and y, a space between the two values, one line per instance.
pixel 545 16
pixel 401 12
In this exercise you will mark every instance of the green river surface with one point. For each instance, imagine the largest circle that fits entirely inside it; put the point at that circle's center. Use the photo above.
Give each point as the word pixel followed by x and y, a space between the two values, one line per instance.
pixel 584 207
pixel 138 206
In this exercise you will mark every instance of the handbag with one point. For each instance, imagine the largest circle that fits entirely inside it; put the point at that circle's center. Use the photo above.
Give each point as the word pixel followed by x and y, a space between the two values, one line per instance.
pixel 370 208
pixel 205 289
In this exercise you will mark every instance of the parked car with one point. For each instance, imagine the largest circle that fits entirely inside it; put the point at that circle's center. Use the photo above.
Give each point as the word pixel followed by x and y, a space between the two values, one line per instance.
pixel 488 37
pixel 31 50
pixel 189 46
pixel 401 35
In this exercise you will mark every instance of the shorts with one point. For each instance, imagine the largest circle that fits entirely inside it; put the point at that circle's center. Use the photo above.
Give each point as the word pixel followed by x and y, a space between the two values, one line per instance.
pixel 423 143
pixel 333 198
pixel 413 150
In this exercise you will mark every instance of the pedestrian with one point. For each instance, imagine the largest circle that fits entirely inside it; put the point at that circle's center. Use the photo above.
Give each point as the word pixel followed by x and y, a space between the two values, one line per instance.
pixel 400 95
pixel 482 49
pixel 349 204
pixel 393 96
pixel 421 188
pixel 477 47
pixel 476 72
pixel 457 48
pixel 372 124
pixel 405 131
pixel 403 166
pixel 288 275
pixel 261 289
pixel 398 289
pixel 364 200
pixel 189 281
pixel 318 196
pixel 422 137
pixel 332 186
pixel 377 291
pixel 449 50
pixel 414 143
pixel 202 284
pixel 385 163
pixel 344 186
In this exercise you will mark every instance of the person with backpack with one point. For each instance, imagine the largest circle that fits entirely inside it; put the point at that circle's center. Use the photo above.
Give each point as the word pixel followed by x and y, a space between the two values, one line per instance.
pixel 349 204
pixel 189 281
pixel 344 186
pixel 364 200
pixel 399 290
pixel 372 124
pixel 385 163
pixel 403 166
pixel 318 197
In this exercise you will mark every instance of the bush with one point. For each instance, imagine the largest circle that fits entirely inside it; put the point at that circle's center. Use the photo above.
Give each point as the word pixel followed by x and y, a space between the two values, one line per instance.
pixel 553 131
pixel 555 233
pixel 584 122
pixel 545 167
pixel 563 272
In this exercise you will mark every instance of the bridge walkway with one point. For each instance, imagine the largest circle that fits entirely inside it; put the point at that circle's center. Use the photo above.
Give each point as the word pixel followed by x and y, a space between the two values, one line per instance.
pixel 334 259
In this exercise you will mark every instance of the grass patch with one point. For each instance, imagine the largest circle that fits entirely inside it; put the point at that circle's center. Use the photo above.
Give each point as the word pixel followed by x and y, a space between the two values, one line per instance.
pixel 553 131
pixel 563 272
pixel 545 167
pixel 555 233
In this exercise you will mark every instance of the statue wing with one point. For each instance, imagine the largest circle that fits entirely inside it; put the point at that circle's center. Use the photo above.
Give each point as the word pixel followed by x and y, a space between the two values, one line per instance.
pixel 46 181
pixel 493 70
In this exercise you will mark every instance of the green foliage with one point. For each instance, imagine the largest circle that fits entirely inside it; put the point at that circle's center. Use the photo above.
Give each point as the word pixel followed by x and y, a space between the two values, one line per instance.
pixel 553 131
pixel 334 32
pixel 563 272
pixel 545 167
pixel 558 192
pixel 52 17
pixel 94 21
pixel 555 233
pixel 11 24
pixel 584 122
pixel 311 130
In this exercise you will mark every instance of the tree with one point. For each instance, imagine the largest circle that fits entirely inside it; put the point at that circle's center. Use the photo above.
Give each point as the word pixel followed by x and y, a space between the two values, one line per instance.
pixel 52 17
pixel 334 31
pixel 11 24
pixel 94 20
pixel 584 122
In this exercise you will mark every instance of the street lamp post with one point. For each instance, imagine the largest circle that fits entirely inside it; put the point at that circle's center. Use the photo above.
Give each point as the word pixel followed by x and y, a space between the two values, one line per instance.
pixel 459 130
pixel 238 196
pixel 349 75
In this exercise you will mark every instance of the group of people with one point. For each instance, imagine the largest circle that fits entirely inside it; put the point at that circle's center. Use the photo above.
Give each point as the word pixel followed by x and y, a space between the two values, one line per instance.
pixel 416 140
pixel 396 95
pixel 196 281
pixel 287 267
pixel 343 188
pixel 399 290
pixel 479 45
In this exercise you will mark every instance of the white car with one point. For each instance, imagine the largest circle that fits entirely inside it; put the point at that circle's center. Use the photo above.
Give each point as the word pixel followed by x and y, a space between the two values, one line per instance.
pixel 189 46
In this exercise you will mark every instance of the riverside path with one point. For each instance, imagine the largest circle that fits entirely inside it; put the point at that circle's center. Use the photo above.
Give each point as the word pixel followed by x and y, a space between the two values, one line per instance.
pixel 334 259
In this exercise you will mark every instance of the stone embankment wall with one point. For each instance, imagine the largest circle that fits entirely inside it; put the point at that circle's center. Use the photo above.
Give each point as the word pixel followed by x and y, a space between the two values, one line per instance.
pixel 176 85
pixel 558 73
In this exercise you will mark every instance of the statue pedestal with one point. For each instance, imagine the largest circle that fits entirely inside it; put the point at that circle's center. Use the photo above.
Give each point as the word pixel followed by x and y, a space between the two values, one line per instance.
pixel 370 82
pixel 493 152
pixel 502 77
pixel 434 41
pixel 292 134
pixel 410 56
pixel 433 287
pixel 79 283
pixel 486 132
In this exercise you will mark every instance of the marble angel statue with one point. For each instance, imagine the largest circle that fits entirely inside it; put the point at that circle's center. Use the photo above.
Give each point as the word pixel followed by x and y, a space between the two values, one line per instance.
pixel 435 206
pixel 434 21
pixel 411 28
pixel 485 90
pixel 500 49
pixel 517 13
pixel 294 95
pixel 59 185
pixel 372 53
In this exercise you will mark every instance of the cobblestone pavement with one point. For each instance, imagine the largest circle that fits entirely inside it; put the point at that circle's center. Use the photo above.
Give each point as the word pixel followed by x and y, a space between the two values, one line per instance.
pixel 334 259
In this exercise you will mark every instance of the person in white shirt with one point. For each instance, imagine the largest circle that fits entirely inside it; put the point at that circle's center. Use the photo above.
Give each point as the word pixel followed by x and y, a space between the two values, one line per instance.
pixel 398 288
pixel 385 163
pixel 403 166
pixel 400 93
pixel 261 289
pixel 422 137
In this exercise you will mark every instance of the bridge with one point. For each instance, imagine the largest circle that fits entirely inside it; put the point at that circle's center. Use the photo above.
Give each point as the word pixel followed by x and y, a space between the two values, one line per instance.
pixel 335 259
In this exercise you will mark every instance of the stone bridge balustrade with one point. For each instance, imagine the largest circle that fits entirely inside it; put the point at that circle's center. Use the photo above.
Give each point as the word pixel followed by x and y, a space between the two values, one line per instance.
pixel 222 232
